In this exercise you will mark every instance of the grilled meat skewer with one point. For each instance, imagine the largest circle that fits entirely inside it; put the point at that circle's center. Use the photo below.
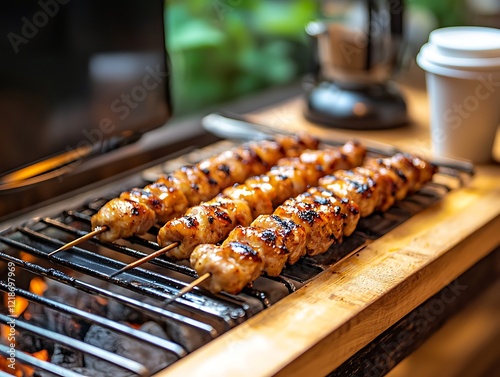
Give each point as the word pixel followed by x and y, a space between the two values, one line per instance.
pixel 309 223
pixel 137 210
pixel 211 222
pixel 380 182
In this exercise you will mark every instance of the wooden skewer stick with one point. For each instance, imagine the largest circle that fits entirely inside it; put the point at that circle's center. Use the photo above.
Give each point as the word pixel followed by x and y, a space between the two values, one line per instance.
pixel 157 253
pixel 145 259
pixel 95 232
pixel 188 288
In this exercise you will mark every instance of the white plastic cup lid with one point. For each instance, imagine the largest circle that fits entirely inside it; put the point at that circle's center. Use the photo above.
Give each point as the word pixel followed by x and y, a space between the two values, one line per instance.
pixel 460 51
pixel 467 42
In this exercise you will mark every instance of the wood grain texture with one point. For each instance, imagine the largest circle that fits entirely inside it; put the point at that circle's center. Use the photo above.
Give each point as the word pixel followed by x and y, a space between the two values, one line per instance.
pixel 317 328
pixel 408 334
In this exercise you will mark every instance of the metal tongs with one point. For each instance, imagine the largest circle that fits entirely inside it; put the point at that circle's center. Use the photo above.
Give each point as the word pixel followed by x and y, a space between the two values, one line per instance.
pixel 235 126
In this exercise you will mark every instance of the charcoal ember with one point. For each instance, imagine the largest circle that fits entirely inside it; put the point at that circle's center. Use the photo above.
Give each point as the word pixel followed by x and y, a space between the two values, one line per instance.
pixel 155 329
pixel 151 357
pixel 35 314
pixel 189 338
pixel 63 323
pixel 66 357
pixel 75 298
pixel 159 359
pixel 31 343
pixel 120 312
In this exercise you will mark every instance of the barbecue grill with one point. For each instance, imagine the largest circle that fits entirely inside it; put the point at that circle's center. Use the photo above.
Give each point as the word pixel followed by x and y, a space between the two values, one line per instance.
pixel 194 320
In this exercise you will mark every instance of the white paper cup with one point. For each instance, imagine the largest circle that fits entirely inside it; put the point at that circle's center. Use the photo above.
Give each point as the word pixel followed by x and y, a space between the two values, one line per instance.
pixel 462 67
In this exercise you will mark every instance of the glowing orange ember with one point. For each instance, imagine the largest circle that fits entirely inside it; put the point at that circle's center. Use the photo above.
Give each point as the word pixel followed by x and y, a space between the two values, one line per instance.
pixel 15 369
pixel 19 370
pixel 101 300
pixel 3 363
pixel 38 286
pixel 20 305
pixel 27 257
pixel 41 355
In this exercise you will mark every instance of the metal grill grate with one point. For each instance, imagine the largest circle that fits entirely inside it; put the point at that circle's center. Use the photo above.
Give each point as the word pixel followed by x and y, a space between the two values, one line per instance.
pixel 193 320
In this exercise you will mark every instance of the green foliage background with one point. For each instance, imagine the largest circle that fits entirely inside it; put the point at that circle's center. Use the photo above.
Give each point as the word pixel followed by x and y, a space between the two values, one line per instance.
pixel 222 49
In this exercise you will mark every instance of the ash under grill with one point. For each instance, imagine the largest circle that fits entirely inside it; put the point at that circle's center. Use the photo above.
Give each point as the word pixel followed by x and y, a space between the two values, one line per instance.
pixel 89 324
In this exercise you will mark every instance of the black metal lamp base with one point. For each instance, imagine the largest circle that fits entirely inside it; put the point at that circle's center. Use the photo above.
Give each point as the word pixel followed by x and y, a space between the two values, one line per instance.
pixel 372 107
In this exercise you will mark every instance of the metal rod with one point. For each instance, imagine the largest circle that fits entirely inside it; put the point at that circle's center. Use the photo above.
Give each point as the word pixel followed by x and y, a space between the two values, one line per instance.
pixel 188 288
pixel 92 289
pixel 37 363
pixel 81 346
pixel 101 321
pixel 230 125
pixel 124 249
pixel 95 232
pixel 145 259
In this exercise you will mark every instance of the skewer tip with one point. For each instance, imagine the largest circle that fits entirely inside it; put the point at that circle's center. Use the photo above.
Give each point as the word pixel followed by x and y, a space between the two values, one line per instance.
pixel 95 232
pixel 57 250
pixel 111 276
pixel 187 288
pixel 145 259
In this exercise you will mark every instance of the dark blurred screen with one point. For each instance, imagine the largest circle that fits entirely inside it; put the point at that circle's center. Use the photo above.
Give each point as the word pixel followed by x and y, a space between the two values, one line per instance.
pixel 76 72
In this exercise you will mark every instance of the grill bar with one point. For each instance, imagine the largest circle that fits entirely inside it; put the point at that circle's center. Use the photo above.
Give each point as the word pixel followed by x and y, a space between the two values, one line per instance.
pixel 89 288
pixel 104 322
pixel 78 345
pixel 139 280
pixel 37 363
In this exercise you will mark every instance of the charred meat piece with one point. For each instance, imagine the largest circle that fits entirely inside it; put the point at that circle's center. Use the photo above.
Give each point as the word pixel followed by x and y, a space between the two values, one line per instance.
pixel 349 210
pixel 210 222
pixel 172 195
pixel 257 196
pixel 231 266
pixel 125 215
pixel 356 186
